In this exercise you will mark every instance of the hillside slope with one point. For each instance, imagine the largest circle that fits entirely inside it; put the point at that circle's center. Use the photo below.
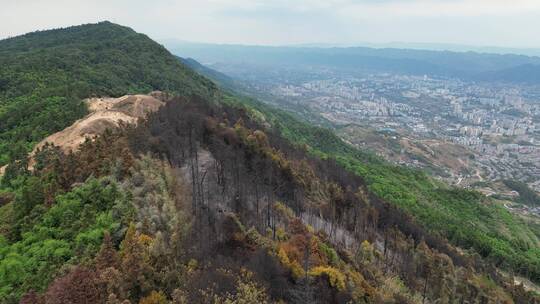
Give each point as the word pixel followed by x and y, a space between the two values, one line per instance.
pixel 45 76
pixel 221 79
pixel 466 218
pixel 236 202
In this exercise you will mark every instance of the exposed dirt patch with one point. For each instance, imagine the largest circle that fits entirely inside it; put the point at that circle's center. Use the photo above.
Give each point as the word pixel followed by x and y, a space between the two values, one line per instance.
pixel 105 113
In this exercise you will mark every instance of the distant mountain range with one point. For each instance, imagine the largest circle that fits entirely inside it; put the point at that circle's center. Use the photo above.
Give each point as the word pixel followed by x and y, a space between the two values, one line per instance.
pixel 472 66
pixel 452 47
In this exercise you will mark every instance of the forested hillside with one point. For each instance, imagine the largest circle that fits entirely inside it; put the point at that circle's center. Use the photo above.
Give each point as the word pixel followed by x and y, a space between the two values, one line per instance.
pixel 216 198
pixel 465 218
pixel 45 76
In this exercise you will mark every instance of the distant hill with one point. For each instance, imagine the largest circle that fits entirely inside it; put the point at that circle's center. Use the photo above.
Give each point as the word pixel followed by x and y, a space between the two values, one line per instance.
pixel 45 76
pixel 526 74
pixel 221 79
pixel 454 48
pixel 465 65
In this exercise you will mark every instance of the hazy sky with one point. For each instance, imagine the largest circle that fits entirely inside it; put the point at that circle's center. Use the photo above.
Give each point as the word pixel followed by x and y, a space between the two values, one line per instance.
pixel 506 23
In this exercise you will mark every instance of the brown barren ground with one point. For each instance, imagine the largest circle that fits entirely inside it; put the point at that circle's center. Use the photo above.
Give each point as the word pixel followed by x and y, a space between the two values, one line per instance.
pixel 105 113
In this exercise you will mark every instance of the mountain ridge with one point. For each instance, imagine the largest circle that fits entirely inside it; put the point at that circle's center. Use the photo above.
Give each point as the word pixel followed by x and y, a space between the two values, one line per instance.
pixel 222 199
pixel 468 65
